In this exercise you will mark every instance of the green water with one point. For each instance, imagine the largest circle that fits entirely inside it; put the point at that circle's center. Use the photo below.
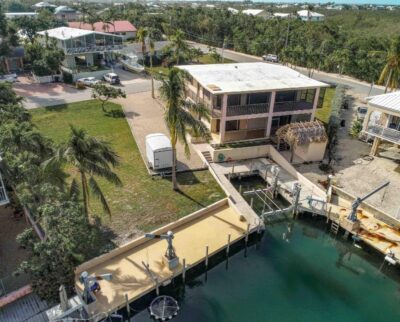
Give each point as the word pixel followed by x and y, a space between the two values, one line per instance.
pixel 305 275
pixel 297 272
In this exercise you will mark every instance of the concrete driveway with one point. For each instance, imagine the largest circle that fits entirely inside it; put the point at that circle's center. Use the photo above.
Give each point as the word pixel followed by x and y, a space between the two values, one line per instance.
pixel 40 95
pixel 145 115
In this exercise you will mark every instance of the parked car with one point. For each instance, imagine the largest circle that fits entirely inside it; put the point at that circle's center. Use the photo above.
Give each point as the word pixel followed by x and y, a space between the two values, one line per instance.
pixel 361 112
pixel 10 78
pixel 111 78
pixel 88 81
pixel 271 58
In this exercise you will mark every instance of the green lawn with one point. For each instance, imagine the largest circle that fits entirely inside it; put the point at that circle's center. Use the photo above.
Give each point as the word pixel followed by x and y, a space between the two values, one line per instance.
pixel 207 59
pixel 324 113
pixel 143 203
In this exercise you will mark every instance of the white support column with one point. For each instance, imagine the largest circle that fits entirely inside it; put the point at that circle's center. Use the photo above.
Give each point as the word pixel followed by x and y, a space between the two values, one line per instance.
pixel 315 103
pixel 223 117
pixel 367 118
pixel 270 113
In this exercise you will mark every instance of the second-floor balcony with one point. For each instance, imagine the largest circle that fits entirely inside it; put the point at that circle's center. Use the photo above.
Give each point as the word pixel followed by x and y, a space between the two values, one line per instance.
pixel 384 133
pixel 288 106
pixel 238 110
pixel 93 49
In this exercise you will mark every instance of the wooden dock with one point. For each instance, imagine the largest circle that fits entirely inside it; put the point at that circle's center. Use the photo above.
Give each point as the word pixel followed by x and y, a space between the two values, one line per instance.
pixel 210 228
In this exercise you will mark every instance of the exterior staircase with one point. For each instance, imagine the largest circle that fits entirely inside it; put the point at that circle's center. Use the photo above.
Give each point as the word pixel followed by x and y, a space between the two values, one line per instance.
pixel 207 156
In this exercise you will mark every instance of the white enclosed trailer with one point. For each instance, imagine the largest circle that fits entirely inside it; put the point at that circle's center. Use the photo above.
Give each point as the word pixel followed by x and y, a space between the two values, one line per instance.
pixel 158 151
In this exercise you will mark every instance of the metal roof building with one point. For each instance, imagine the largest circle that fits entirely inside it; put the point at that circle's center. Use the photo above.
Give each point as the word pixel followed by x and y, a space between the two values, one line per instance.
pixel 389 101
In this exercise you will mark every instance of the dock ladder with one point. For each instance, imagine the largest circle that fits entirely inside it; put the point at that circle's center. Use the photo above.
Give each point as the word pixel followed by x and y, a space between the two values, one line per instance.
pixel 335 227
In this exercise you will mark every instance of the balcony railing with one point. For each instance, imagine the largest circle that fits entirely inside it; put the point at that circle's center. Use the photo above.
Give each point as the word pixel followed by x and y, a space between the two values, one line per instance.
pixel 247 134
pixel 247 109
pixel 292 106
pixel 384 133
pixel 93 49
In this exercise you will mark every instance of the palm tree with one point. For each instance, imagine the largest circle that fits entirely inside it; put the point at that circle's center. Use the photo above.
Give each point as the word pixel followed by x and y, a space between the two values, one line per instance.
pixel 180 46
pixel 142 35
pixel 89 158
pixel 390 74
pixel 151 45
pixel 180 117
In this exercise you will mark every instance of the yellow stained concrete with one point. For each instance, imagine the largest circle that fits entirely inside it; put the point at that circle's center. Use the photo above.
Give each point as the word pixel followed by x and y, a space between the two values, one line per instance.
pixel 129 276
pixel 374 232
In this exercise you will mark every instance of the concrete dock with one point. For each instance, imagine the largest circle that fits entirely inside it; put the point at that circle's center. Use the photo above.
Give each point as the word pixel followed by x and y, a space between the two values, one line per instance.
pixel 207 227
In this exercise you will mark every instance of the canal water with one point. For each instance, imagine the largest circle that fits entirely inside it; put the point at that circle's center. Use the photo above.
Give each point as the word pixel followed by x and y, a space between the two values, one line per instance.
pixel 298 272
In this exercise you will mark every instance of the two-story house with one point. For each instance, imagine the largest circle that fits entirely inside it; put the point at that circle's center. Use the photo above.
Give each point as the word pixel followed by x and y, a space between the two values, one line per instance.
pixel 85 50
pixel 382 121
pixel 252 100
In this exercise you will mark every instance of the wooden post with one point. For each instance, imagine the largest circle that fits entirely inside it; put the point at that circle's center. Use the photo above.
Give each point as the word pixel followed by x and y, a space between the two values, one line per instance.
pixel 128 308
pixel 247 234
pixel 240 189
pixel 206 256
pixel 329 214
pixel 184 270
pixel 251 203
pixel 229 245
pixel 157 286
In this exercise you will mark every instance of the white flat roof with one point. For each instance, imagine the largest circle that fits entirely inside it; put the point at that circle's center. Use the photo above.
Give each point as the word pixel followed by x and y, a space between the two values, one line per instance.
pixel 305 13
pixel 389 101
pixel 65 33
pixel 249 77
pixel 252 12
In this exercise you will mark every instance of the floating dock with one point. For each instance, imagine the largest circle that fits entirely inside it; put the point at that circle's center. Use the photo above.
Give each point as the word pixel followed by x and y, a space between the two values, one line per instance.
pixel 206 231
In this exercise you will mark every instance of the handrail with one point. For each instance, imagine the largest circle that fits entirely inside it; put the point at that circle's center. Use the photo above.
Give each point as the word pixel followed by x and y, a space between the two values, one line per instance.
pixel 259 108
pixel 292 106
pixel 384 132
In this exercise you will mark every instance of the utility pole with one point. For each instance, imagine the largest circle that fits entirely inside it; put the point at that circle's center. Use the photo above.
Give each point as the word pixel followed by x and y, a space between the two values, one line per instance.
pixel 222 53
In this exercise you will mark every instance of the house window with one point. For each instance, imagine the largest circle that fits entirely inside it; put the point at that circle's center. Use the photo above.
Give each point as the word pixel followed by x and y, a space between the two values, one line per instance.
pixel 258 98
pixel 206 93
pixel 307 95
pixel 288 96
pixel 234 100
pixel 232 125
pixel 218 102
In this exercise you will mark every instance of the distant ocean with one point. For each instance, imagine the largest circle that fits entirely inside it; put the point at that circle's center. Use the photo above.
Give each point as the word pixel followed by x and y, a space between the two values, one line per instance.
pixel 378 2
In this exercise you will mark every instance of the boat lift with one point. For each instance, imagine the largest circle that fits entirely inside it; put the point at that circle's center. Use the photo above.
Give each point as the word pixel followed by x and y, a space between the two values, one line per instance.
pixel 357 202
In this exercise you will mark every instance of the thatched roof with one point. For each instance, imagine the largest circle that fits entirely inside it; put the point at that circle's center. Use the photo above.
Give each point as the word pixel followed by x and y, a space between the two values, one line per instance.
pixel 302 133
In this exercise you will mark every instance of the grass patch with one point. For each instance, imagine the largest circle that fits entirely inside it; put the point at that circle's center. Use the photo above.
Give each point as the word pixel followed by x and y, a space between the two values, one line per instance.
pixel 143 203
pixel 324 113
pixel 207 59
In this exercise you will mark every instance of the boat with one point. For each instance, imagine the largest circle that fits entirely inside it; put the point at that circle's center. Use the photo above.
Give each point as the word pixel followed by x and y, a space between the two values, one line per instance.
pixel 130 62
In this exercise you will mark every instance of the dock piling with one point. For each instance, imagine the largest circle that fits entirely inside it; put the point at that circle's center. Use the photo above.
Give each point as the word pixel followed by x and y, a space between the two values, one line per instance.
pixel 184 270
pixel 128 308
pixel 206 257
pixel 247 234
pixel 229 245
pixel 251 203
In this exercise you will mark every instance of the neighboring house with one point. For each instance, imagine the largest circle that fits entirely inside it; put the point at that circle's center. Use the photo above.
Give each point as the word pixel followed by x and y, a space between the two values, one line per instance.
pixel 282 15
pixel 252 100
pixel 14 62
pixel 85 50
pixel 42 5
pixel 121 28
pixel 382 121
pixel 65 13
pixel 307 15
pixel 12 15
pixel 233 10
pixel 136 48
pixel 257 13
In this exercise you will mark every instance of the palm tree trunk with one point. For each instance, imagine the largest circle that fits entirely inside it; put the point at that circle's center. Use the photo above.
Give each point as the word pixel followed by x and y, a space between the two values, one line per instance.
pixel 152 79
pixel 85 194
pixel 388 80
pixel 174 180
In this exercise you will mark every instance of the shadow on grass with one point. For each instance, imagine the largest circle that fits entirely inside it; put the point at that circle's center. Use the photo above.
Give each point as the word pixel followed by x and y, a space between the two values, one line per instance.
pixel 115 114
pixel 190 198
pixel 187 178
pixel 56 108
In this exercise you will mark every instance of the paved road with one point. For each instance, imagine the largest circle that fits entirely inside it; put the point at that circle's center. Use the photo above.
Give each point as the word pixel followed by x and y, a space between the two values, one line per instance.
pixel 361 88
pixel 37 95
